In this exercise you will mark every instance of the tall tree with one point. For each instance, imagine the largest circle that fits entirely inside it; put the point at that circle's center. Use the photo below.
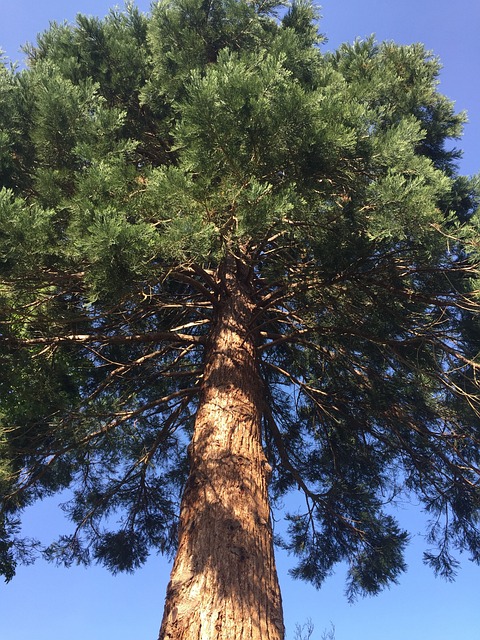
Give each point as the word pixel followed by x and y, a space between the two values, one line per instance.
pixel 233 267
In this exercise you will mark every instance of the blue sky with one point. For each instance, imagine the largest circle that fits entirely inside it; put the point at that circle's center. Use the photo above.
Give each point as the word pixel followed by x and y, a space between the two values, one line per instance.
pixel 49 603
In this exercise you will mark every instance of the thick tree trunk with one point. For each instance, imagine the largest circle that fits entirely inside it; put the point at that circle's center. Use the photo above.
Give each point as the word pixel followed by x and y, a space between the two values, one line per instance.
pixel 224 583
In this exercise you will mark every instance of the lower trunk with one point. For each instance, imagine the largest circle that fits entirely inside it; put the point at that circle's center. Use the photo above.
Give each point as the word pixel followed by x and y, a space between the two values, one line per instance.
pixel 224 584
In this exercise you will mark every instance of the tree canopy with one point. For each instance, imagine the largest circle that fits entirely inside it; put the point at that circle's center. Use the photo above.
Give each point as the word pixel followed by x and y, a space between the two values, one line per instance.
pixel 139 156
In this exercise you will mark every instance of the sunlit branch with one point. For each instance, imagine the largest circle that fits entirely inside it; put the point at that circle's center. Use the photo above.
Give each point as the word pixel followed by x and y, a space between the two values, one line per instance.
pixel 152 336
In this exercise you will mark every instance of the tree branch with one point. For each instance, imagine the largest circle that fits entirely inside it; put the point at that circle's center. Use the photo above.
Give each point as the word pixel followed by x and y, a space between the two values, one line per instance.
pixel 95 338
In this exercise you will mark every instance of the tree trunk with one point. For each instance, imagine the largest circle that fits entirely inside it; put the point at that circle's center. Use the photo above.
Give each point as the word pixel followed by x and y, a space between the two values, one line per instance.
pixel 224 583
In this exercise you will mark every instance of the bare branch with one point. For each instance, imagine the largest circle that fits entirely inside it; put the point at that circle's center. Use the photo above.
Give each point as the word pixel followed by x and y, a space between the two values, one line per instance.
pixel 95 338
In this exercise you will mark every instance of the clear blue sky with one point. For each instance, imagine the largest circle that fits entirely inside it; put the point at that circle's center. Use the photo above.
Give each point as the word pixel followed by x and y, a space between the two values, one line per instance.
pixel 47 603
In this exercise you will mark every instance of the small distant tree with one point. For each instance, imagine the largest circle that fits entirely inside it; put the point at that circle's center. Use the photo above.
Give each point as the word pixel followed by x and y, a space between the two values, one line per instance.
pixel 305 631
pixel 330 634
pixel 233 266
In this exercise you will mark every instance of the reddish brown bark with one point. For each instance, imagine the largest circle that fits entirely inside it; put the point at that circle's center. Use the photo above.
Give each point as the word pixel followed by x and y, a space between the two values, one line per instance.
pixel 224 584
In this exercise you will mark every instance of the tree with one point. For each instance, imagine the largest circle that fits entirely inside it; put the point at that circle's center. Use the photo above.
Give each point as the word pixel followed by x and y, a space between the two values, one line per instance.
pixel 305 631
pixel 234 267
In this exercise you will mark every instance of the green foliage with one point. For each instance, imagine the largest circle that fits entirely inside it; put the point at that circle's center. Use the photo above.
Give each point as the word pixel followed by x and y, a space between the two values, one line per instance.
pixel 27 232
pixel 140 156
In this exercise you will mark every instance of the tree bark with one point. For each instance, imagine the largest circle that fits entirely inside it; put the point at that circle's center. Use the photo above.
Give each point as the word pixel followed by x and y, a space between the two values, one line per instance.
pixel 224 583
